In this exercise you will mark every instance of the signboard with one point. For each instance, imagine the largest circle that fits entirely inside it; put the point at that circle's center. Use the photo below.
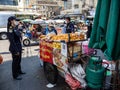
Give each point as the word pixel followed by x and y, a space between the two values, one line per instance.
pixel 59 60
pixel 64 49
pixel 46 51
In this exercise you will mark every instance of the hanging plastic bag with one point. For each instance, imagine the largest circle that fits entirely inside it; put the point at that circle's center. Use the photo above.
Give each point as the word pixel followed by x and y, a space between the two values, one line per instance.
pixel 86 49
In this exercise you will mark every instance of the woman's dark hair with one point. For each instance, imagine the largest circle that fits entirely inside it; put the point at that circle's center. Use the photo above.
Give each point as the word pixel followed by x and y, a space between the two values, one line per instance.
pixel 9 21
pixel 8 25
pixel 68 18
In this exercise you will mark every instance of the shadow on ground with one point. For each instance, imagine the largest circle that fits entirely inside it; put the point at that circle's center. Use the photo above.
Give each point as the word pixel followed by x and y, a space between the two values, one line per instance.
pixel 4 52
pixel 34 78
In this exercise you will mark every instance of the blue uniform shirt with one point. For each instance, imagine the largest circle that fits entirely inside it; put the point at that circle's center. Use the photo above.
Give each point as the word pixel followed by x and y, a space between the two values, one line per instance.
pixel 14 37
pixel 70 28
pixel 52 31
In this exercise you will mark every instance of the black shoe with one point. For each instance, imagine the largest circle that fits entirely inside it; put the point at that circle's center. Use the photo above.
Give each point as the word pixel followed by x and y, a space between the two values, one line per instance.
pixel 18 78
pixel 22 73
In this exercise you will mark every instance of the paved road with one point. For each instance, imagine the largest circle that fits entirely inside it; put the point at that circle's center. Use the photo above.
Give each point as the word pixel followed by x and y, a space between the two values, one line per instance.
pixel 33 80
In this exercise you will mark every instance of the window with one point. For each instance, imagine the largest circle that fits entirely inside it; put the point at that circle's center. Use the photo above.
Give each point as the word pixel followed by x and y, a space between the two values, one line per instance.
pixel 76 6
pixel 9 2
pixel 27 2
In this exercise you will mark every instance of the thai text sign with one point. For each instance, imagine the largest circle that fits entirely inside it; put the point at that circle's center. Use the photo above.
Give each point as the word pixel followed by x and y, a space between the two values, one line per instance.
pixel 46 50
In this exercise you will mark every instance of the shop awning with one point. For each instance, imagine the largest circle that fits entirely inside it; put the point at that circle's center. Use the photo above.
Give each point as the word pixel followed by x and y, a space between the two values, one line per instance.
pixel 106 29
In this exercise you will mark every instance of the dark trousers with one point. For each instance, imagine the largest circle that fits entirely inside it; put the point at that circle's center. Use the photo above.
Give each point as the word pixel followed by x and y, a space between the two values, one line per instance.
pixel 16 67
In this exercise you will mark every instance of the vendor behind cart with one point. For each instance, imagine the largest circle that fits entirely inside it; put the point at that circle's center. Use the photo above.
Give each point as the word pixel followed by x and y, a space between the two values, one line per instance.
pixel 50 30
pixel 69 27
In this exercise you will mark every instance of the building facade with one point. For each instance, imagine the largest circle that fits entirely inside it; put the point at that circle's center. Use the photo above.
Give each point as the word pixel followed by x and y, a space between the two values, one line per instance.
pixel 46 8
pixel 84 7
pixel 9 2
pixel 9 5
pixel 72 7
pixel 88 7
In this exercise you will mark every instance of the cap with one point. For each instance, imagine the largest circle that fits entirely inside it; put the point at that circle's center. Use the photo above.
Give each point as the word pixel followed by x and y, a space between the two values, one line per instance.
pixel 13 18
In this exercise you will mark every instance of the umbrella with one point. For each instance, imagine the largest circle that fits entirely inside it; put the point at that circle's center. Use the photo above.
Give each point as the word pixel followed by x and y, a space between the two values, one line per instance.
pixel 113 32
pixel 106 29
pixel 27 20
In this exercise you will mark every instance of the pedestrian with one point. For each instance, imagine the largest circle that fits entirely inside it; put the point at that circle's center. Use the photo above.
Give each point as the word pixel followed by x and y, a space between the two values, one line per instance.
pixel 63 28
pixel 50 30
pixel 38 29
pixel 89 29
pixel 69 25
pixel 15 47
pixel 21 27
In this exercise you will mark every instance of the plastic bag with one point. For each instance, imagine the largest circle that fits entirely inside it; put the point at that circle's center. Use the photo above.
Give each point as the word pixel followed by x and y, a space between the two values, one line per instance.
pixel 77 72
pixel 86 49
pixel 72 82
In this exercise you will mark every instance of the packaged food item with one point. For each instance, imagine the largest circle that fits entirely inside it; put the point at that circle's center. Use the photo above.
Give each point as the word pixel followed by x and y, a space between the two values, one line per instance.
pixel 66 37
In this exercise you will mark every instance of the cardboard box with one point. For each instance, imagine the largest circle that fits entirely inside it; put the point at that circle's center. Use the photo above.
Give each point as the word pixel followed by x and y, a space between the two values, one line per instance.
pixel 71 49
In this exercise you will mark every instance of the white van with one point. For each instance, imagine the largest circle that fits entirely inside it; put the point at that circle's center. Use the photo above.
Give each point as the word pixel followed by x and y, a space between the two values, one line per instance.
pixel 3 24
pixel 4 15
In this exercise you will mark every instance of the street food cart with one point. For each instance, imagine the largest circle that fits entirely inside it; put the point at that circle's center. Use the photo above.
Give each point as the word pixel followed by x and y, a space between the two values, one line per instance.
pixel 58 51
pixel 105 36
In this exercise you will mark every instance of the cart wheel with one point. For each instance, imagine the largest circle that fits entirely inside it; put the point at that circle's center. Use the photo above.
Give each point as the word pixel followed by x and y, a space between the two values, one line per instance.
pixel 26 42
pixel 51 72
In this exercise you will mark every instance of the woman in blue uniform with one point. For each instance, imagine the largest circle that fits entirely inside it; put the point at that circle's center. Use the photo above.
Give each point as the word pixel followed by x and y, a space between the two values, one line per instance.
pixel 15 47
